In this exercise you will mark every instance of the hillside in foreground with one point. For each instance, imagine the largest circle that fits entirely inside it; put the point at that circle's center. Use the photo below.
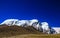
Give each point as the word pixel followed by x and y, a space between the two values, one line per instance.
pixel 17 30
pixel 23 32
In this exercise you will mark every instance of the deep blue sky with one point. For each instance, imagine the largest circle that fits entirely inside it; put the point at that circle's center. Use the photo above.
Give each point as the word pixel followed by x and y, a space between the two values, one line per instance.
pixel 43 10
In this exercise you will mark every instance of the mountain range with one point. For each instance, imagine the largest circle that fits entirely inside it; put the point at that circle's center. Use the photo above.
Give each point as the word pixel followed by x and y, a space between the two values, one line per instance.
pixel 41 27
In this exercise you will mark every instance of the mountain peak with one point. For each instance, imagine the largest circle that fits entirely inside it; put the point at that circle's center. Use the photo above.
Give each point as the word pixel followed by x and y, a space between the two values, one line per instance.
pixel 44 26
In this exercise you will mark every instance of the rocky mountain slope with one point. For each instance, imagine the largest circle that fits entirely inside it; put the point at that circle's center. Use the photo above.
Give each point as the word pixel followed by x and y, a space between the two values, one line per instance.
pixel 17 30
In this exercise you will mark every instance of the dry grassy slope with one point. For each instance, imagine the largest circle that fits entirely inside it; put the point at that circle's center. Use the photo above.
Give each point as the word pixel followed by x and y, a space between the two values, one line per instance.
pixel 35 36
pixel 23 32
pixel 16 30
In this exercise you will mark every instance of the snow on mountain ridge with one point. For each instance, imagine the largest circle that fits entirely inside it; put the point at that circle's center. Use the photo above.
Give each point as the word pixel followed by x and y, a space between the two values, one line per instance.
pixel 34 22
pixel 9 21
pixel 24 23
pixel 19 22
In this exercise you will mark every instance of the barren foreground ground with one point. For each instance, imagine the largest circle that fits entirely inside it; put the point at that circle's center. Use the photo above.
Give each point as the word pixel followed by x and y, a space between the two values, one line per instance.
pixel 34 36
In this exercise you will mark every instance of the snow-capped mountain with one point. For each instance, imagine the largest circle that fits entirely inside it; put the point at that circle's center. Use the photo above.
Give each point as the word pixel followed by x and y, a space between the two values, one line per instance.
pixel 23 23
pixel 57 30
pixel 44 26
pixel 9 22
pixel 19 22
